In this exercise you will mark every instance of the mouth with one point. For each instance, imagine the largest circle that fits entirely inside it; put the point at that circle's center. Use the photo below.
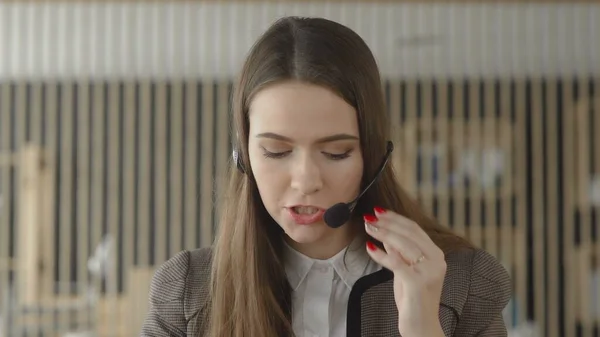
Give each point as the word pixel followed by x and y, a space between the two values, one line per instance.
pixel 305 210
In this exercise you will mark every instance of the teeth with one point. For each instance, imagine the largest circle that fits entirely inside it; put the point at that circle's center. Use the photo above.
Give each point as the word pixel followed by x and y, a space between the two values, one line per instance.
pixel 306 210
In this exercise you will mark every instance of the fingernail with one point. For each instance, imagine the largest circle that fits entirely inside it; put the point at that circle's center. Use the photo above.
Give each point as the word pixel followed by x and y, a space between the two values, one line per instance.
pixel 379 210
pixel 371 246
pixel 370 218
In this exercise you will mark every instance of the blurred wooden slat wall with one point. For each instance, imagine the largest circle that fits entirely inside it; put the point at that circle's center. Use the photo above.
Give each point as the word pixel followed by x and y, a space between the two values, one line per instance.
pixel 508 163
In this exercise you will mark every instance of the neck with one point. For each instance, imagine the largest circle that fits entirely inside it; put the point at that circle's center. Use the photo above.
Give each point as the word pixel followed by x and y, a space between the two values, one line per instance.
pixel 328 246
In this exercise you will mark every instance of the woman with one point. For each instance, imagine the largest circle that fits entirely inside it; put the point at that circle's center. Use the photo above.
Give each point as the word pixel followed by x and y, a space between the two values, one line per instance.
pixel 311 131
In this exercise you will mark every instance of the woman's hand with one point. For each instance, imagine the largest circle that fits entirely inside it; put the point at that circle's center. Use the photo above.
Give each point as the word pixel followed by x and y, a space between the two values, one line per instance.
pixel 419 268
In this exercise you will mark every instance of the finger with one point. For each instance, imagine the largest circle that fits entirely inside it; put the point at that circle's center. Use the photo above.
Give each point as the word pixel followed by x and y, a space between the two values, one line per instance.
pixel 404 224
pixel 415 264
pixel 425 246
pixel 409 251
pixel 397 223
pixel 388 260
pixel 399 228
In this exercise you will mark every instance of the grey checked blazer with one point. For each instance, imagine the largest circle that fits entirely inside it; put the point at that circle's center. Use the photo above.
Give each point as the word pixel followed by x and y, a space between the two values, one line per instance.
pixel 475 291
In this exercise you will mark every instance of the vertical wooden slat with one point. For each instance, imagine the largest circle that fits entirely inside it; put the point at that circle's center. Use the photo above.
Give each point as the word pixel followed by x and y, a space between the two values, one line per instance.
pixel 160 175
pixel 457 151
pixel 65 187
pixel 538 203
pixel 551 218
pixel 20 137
pixel 30 240
pixel 51 127
pixel 475 186
pixel 399 159
pixel 28 224
pixel 35 122
pixel 508 241
pixel 47 248
pixel 113 317
pixel 47 208
pixel 412 149
pixel 144 178
pixel 97 215
pixel 129 176
pixel 192 143
pixel 551 224
pixel 583 204
pixel 580 212
pixel 595 111
pixel 443 141
pixel 520 187
pixel 408 143
pixel 128 155
pixel 207 163
pixel 175 161
pixel 83 189
pixel 491 144
pixel 7 263
pixel 29 248
pixel 46 200
pixel 568 207
pixel 192 134
pixel 25 221
pixel 26 240
pixel 426 126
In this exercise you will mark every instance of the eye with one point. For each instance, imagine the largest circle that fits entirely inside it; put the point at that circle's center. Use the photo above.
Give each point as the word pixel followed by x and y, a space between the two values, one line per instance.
pixel 269 154
pixel 338 156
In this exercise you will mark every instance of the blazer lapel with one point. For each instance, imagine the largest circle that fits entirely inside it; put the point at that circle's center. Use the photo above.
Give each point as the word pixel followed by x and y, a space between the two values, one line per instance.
pixel 372 309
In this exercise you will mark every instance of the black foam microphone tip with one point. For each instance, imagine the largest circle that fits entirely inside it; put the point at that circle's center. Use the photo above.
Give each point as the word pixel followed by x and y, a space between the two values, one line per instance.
pixel 337 215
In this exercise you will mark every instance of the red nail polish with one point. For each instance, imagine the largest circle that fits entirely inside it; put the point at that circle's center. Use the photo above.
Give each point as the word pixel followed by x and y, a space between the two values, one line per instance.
pixel 371 246
pixel 370 218
pixel 379 210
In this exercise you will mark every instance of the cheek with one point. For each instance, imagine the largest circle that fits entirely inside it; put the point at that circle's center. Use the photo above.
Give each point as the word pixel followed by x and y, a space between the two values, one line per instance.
pixel 346 178
pixel 261 166
pixel 271 183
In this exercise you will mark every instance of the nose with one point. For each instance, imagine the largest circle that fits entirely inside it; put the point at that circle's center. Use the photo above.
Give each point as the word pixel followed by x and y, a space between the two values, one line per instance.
pixel 306 175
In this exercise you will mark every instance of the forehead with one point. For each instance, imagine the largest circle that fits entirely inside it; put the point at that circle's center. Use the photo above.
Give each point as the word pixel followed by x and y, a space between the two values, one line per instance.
pixel 301 111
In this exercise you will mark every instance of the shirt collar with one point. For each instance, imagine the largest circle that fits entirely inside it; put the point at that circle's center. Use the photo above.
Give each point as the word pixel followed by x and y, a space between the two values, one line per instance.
pixel 349 264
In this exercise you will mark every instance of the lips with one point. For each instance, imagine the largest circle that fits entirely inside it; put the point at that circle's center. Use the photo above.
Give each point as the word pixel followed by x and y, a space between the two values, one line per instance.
pixel 305 214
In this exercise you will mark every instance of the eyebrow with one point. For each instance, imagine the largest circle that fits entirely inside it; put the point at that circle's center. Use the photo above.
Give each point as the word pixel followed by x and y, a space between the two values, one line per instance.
pixel 332 138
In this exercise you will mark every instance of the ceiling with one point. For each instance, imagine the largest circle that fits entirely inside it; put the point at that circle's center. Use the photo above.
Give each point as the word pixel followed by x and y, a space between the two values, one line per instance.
pixel 209 39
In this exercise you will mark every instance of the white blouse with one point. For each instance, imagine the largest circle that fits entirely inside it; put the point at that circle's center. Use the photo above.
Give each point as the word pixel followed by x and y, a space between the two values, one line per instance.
pixel 321 289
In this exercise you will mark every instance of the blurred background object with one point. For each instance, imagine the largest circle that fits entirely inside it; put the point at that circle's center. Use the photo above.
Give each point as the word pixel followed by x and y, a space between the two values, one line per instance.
pixel 114 135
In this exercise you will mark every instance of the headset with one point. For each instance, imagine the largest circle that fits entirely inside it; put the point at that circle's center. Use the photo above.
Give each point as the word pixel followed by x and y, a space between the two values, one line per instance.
pixel 338 214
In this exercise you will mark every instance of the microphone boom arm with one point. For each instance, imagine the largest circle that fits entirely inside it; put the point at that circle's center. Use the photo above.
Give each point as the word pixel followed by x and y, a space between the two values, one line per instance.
pixel 390 148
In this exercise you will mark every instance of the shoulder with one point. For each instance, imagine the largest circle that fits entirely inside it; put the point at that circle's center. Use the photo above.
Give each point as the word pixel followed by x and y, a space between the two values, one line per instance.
pixel 178 290
pixel 198 279
pixel 480 271
pixel 477 288
pixel 168 282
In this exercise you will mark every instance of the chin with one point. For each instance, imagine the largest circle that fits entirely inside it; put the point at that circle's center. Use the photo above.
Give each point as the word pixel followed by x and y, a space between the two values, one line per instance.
pixel 306 233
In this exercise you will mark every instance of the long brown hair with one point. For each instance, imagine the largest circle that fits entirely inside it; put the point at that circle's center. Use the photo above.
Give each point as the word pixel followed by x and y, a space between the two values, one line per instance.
pixel 250 295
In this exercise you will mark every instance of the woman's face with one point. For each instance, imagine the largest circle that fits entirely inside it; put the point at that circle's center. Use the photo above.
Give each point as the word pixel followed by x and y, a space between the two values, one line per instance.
pixel 305 155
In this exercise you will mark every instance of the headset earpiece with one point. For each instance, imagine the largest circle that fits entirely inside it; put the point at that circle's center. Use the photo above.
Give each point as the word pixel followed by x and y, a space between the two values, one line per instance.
pixel 238 161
